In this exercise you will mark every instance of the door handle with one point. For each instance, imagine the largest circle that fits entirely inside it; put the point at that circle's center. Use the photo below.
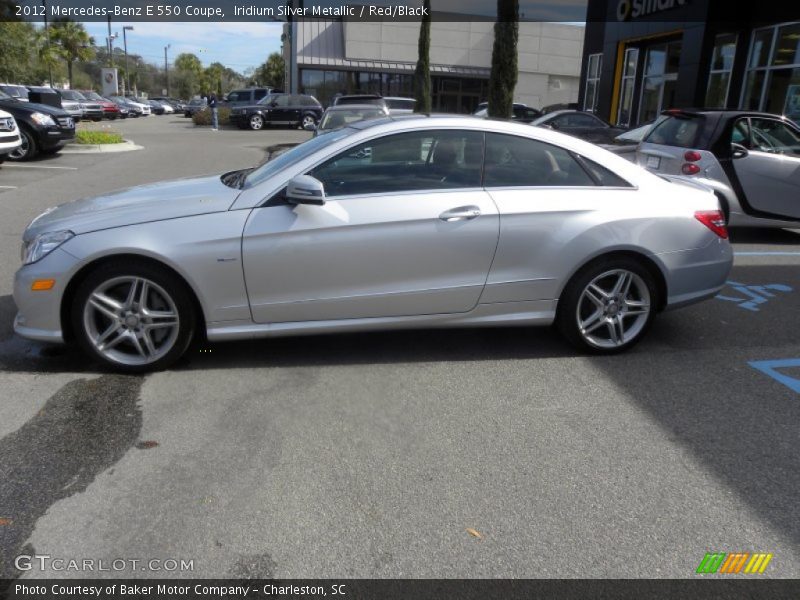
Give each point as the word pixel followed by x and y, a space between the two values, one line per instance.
pixel 462 213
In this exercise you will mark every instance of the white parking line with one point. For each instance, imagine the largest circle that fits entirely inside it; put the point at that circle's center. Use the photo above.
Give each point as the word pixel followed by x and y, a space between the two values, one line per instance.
pixel 8 187
pixel 5 166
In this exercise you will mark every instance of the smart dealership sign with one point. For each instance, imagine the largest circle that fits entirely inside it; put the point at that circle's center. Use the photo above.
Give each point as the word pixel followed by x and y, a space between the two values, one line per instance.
pixel 633 9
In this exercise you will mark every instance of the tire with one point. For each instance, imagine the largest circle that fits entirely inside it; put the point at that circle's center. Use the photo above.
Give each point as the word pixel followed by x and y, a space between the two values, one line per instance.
pixel 256 122
pixel 29 148
pixel 309 118
pixel 50 151
pixel 608 306
pixel 117 331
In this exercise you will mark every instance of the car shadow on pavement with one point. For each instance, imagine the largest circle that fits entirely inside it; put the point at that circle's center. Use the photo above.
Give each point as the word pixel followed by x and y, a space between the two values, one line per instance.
pixel 755 235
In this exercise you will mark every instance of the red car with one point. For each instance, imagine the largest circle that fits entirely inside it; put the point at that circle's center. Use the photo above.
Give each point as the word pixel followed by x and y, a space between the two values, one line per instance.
pixel 110 110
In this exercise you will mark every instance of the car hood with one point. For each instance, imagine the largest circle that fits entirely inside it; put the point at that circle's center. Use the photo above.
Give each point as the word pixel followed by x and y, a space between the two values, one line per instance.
pixel 141 204
pixel 32 107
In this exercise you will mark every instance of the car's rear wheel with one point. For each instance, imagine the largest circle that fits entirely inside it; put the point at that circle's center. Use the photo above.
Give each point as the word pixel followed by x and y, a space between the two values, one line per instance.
pixel 608 306
pixel 256 122
pixel 133 317
pixel 28 149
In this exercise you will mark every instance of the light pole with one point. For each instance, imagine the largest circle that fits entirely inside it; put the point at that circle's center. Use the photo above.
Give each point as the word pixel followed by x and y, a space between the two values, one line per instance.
pixel 125 42
pixel 166 67
pixel 111 39
pixel 47 35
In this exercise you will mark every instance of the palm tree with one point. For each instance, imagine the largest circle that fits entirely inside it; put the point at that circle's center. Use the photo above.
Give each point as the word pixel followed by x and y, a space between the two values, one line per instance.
pixel 72 43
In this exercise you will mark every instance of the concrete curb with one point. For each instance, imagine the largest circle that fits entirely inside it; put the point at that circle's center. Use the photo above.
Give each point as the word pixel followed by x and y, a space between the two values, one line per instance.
pixel 126 146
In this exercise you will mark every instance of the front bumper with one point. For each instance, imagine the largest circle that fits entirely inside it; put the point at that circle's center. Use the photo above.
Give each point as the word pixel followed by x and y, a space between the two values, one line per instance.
pixel 39 313
pixel 55 137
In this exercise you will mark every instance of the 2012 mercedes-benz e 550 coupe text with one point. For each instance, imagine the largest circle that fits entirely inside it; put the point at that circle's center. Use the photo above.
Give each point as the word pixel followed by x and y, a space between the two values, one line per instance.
pixel 400 222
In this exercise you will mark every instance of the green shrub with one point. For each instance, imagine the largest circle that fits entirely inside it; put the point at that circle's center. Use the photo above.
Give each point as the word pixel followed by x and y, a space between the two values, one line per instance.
pixel 98 137
pixel 204 116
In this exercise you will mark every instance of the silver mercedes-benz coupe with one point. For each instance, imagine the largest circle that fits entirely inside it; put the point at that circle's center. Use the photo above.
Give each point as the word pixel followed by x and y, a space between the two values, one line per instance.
pixel 404 222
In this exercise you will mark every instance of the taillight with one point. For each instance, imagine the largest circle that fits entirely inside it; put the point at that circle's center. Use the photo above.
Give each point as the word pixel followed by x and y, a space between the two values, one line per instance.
pixel 692 156
pixel 714 220
pixel 690 169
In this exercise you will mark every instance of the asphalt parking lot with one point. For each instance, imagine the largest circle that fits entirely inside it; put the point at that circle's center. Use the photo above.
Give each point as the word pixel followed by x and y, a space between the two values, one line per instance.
pixel 371 455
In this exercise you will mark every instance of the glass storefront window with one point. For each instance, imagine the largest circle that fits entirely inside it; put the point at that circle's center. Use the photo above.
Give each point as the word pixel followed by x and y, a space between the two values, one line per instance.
pixel 593 69
pixel 787 47
pixel 720 75
pixel 661 74
pixel 772 83
pixel 624 113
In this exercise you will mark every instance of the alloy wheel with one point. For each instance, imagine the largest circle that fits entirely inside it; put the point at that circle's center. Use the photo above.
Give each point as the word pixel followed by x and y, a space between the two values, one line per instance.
pixel 613 309
pixel 131 320
pixel 256 122
pixel 22 151
pixel 307 120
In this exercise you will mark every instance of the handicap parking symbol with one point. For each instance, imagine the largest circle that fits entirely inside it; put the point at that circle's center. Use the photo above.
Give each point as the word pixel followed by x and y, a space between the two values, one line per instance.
pixel 770 367
pixel 754 295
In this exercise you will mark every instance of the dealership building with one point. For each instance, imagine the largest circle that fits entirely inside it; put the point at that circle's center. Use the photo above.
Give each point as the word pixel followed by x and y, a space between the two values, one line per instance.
pixel 644 56
pixel 328 57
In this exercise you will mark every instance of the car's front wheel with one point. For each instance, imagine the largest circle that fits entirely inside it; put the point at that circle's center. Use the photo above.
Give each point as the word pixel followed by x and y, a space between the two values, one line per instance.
pixel 28 149
pixel 608 306
pixel 133 317
pixel 307 121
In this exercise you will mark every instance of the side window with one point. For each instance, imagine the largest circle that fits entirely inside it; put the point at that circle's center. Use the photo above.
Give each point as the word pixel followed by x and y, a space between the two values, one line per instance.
pixel 604 176
pixel 234 97
pixel 563 121
pixel 741 133
pixel 282 100
pixel 420 160
pixel 513 161
pixel 531 113
pixel 578 120
pixel 770 135
pixel 259 94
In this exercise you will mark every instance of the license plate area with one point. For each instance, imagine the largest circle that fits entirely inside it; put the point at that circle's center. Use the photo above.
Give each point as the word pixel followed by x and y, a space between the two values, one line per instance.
pixel 653 162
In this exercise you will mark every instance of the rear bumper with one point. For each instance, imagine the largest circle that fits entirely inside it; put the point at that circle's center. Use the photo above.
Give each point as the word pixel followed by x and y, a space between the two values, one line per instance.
pixel 698 274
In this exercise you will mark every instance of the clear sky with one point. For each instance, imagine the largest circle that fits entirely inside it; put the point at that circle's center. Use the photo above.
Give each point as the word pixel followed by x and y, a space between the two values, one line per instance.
pixel 235 45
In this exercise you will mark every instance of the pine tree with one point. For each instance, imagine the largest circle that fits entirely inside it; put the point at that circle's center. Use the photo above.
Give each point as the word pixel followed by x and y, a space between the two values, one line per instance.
pixel 422 74
pixel 503 78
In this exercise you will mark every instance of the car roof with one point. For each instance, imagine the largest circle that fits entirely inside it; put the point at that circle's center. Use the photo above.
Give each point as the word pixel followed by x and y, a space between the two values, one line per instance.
pixel 719 112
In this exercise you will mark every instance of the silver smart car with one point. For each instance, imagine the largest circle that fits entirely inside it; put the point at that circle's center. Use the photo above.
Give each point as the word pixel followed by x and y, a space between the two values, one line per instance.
pixel 400 222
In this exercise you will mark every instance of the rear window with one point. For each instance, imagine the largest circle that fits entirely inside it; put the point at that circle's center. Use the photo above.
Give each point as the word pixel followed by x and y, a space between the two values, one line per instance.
pixel 400 103
pixel 676 131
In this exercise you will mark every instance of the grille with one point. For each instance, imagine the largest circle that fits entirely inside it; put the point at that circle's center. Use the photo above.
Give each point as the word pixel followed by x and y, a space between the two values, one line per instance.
pixel 66 122
pixel 7 124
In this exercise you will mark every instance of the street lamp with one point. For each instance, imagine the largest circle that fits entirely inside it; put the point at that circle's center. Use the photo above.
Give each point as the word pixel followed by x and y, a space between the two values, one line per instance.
pixel 47 34
pixel 166 67
pixel 110 40
pixel 125 42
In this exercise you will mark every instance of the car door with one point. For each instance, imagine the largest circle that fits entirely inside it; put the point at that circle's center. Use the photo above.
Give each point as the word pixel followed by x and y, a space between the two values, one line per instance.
pixel 406 229
pixel 769 168
pixel 278 110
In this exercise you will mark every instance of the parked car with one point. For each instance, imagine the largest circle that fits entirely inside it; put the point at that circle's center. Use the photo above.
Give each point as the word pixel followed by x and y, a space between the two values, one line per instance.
pixel 156 108
pixel 176 105
pixel 625 144
pixel 20 92
pixel 360 99
pixel 521 112
pixel 43 129
pixel 560 106
pixel 297 110
pixel 248 96
pixel 110 110
pixel 336 117
pixel 195 105
pixel 750 159
pixel 581 124
pixel 398 105
pixel 140 103
pixel 9 135
pixel 134 109
pixel 432 227
pixel 89 110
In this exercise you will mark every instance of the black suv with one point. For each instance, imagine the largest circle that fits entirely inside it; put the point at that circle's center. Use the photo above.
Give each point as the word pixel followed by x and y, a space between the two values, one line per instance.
pixel 296 110
pixel 248 96
pixel 44 129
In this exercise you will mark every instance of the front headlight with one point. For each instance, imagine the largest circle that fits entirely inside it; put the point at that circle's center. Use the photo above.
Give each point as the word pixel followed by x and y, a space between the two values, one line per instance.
pixel 43 244
pixel 43 119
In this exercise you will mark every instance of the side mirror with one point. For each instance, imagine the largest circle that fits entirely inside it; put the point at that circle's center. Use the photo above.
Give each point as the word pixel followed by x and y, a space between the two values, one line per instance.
pixel 310 126
pixel 738 151
pixel 305 189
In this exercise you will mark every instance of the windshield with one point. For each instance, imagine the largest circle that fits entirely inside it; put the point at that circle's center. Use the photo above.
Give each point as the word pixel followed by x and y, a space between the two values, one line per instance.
pixel 197 102
pixel 293 156
pixel 92 96
pixel 4 96
pixel 72 95
pixel 401 103
pixel 339 118
pixel 676 130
